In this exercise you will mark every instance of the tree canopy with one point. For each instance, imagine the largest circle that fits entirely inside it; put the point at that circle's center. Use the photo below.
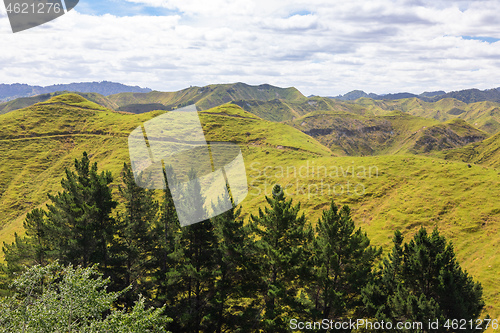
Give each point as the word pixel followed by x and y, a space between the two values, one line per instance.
pixel 101 261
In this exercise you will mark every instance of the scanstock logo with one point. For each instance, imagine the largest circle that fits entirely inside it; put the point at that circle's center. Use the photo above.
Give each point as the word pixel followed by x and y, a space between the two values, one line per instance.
pixel 204 178
pixel 26 14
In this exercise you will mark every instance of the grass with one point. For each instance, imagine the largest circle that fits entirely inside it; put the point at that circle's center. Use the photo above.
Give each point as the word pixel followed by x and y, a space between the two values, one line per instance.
pixel 486 152
pixel 408 192
pixel 385 192
pixel 482 115
pixel 29 101
pixel 397 132
pixel 208 96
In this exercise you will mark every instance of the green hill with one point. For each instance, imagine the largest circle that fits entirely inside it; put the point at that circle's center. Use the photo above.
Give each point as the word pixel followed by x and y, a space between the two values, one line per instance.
pixel 285 104
pixel 384 192
pixel 451 134
pixel 208 96
pixel 204 97
pixel 284 110
pixel 486 152
pixel 24 102
pixel 351 134
pixel 36 143
pixel 482 115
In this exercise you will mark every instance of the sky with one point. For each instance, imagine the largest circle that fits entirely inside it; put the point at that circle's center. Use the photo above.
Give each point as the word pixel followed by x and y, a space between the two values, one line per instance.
pixel 321 47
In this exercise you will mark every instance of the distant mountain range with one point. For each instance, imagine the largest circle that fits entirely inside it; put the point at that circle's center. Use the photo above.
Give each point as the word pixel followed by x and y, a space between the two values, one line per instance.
pixel 355 94
pixel 12 91
pixel 466 96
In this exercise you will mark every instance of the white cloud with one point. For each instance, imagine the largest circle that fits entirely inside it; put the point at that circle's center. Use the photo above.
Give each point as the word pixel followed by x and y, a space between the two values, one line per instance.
pixel 293 23
pixel 318 46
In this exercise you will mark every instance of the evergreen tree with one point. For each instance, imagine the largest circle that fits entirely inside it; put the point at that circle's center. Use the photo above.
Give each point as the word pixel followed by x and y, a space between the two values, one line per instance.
pixel 165 236
pixel 236 276
pixel 32 249
pixel 77 228
pixel 81 225
pixel 134 245
pixel 423 281
pixel 281 238
pixel 193 279
pixel 343 260
pixel 17 255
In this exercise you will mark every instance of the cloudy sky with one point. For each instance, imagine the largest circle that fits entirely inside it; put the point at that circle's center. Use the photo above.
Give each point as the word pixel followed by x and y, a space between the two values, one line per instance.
pixel 322 47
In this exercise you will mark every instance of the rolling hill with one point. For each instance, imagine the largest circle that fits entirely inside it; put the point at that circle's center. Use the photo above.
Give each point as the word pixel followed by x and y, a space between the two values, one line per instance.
pixel 385 192
pixel 482 115
pixel 286 104
pixel 486 152
pixel 204 97
pixel 395 133
pixel 208 96
pixel 24 102
pixel 283 110
pixel 37 142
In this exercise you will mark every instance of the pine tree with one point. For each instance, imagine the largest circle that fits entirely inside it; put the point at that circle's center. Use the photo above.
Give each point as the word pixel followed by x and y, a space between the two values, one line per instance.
pixel 166 253
pixel 281 238
pixel 235 279
pixel 134 245
pixel 32 249
pixel 77 228
pixel 193 279
pixel 81 225
pixel 343 260
pixel 17 255
pixel 386 281
pixel 423 281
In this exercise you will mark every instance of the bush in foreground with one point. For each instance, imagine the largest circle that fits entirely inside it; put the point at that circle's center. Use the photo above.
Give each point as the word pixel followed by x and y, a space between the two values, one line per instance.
pixel 55 298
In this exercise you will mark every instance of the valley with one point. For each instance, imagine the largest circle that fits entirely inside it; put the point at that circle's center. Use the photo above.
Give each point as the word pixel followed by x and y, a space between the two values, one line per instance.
pixel 399 164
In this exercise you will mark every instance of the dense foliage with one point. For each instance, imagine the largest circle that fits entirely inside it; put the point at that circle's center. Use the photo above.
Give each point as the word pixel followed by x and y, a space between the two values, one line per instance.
pixel 219 275
pixel 422 280
pixel 54 298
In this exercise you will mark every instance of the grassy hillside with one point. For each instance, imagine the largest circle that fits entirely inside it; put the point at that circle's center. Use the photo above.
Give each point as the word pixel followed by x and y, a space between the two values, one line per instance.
pixel 283 110
pixel 402 192
pixel 205 98
pixel 486 152
pixel 451 134
pixel 28 101
pixel 208 96
pixel 285 104
pixel 384 192
pixel 351 134
pixel 36 144
pixel 482 115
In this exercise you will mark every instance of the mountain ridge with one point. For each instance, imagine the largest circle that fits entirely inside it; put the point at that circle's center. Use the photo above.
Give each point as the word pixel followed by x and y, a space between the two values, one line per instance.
pixel 472 95
pixel 9 92
pixel 205 97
